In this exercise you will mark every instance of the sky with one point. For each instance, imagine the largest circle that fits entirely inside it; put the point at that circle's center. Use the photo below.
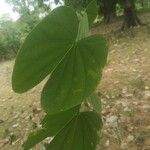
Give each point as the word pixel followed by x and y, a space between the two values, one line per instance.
pixel 7 9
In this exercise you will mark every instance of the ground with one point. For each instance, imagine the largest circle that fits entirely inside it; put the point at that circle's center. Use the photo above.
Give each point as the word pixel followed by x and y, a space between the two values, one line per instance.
pixel 125 92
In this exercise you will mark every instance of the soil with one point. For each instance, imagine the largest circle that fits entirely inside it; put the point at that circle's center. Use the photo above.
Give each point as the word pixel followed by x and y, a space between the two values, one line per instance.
pixel 125 91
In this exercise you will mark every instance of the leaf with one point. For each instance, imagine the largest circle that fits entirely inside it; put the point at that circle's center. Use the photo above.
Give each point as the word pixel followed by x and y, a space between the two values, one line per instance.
pixel 55 122
pixel 79 134
pixel 44 48
pixel 35 137
pixel 51 124
pixel 56 48
pixel 79 131
pixel 91 11
pixel 95 101
pixel 76 77
pixel 83 29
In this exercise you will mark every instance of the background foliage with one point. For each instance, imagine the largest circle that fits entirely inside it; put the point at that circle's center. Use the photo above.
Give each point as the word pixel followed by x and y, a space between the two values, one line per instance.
pixel 13 33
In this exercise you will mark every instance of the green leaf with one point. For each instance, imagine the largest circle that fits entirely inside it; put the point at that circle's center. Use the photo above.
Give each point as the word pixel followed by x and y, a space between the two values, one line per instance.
pixel 44 48
pixel 56 48
pixel 79 134
pixel 35 137
pixel 95 101
pixel 76 77
pixel 57 121
pixel 91 11
pixel 51 124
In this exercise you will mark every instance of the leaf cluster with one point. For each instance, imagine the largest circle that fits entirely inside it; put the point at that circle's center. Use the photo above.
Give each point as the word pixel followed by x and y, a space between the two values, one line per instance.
pixel 61 47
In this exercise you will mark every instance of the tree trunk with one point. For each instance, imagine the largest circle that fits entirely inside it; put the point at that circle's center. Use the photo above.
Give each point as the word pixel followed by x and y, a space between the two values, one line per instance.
pixel 130 16
pixel 108 9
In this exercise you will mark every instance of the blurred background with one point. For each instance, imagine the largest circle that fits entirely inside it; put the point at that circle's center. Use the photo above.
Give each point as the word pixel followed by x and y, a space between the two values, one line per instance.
pixel 125 84
pixel 19 17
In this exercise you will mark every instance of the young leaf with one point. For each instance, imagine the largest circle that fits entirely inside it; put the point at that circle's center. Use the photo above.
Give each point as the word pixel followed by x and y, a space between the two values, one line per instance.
pixel 79 134
pixel 51 124
pixel 76 77
pixel 91 11
pixel 44 48
pixel 83 29
pixel 95 101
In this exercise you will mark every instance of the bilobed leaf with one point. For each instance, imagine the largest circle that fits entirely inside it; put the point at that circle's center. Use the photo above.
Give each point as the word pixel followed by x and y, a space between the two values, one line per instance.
pixel 55 47
pixel 58 47
pixel 44 48
pixel 76 77
pixel 91 11
pixel 51 124
pixel 95 101
pixel 79 134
